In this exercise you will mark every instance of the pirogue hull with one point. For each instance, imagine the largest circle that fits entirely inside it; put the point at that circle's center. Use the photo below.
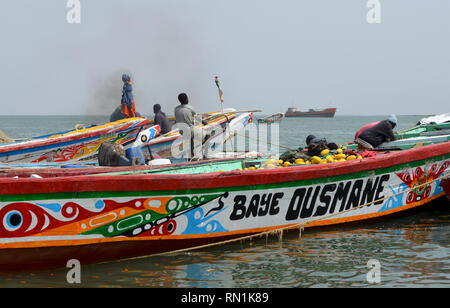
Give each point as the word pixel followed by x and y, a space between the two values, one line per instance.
pixel 72 145
pixel 93 218
pixel 423 134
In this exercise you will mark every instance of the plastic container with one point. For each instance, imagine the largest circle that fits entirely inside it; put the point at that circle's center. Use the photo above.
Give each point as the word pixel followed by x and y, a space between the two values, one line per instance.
pixel 135 155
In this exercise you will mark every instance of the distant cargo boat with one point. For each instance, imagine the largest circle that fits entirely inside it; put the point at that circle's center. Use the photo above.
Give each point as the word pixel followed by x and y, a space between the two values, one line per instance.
pixel 324 113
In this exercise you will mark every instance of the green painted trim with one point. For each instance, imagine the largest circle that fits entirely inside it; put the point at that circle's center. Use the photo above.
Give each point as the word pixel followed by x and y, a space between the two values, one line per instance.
pixel 201 168
pixel 307 182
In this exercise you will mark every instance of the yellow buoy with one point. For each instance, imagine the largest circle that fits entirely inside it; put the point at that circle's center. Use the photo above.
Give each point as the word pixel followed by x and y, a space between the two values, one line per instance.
pixel 271 162
pixel 316 160
pixel 286 164
pixel 299 161
pixel 340 156
pixel 351 157
pixel 324 152
pixel 339 151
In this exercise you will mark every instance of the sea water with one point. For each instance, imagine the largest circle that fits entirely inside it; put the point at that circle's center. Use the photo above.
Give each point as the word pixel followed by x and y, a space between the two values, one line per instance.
pixel 410 251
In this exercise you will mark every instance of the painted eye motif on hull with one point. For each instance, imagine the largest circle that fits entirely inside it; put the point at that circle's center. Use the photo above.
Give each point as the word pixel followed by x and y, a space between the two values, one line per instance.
pixel 22 219
pixel 12 220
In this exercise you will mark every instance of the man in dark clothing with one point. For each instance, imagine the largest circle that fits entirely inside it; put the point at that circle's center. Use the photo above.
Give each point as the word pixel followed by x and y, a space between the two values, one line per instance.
pixel 161 119
pixel 373 136
pixel 316 145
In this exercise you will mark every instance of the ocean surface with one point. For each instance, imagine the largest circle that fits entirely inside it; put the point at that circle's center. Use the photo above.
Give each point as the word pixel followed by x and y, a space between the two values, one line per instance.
pixel 412 250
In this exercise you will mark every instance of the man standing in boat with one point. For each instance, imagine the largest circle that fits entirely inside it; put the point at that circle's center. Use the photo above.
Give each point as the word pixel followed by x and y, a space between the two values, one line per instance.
pixel 375 135
pixel 127 108
pixel 184 113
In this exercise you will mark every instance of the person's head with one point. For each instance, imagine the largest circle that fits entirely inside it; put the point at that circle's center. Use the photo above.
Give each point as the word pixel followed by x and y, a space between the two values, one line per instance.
pixel 309 139
pixel 393 120
pixel 156 108
pixel 126 78
pixel 183 98
pixel 332 146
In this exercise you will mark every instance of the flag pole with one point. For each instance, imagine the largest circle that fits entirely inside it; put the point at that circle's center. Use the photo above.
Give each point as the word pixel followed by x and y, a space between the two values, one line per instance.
pixel 216 79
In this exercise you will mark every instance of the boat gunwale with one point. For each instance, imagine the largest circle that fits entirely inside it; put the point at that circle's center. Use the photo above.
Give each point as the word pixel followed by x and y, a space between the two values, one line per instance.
pixel 222 180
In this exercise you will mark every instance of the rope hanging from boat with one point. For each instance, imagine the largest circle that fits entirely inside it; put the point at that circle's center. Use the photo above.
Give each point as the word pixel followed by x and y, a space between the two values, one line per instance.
pixel 300 226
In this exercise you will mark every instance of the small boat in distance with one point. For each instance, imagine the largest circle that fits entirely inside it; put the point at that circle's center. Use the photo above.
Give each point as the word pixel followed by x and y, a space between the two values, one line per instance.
pixel 311 113
pixel 273 118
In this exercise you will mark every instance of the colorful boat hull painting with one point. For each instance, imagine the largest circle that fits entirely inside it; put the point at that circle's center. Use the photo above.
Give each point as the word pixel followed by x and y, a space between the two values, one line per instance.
pixel 45 222
pixel 72 145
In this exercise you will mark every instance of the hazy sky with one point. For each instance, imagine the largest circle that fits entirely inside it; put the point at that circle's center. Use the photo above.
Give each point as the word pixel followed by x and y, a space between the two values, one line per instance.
pixel 268 55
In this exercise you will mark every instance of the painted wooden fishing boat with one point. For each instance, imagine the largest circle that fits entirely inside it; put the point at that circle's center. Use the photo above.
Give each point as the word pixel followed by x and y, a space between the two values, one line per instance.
pixel 436 119
pixel 46 221
pixel 425 130
pixel 211 149
pixel 404 144
pixel 83 144
pixel 273 118
pixel 423 134
pixel 73 145
pixel 228 121
pixel 429 130
pixel 408 143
